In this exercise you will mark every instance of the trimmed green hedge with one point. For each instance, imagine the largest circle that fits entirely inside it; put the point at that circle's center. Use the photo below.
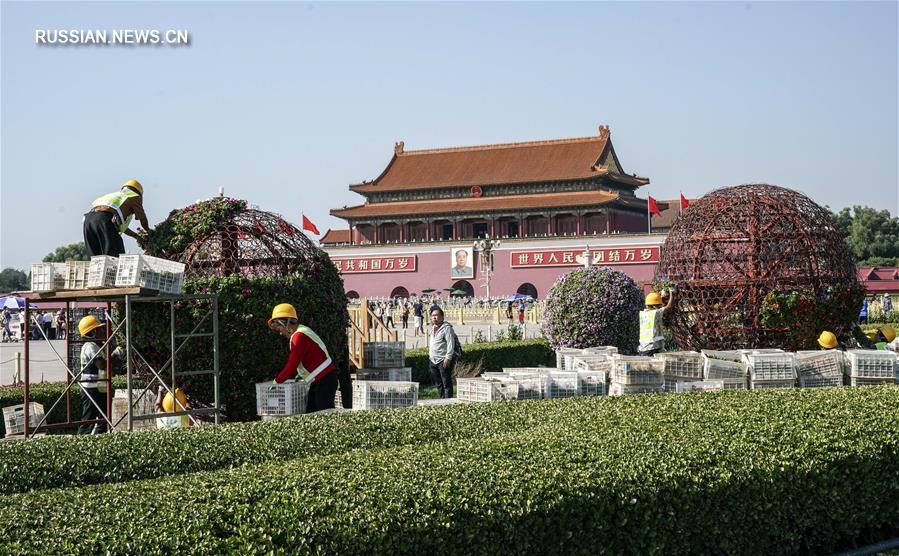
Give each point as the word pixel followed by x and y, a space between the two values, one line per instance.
pixel 46 395
pixel 493 356
pixel 773 472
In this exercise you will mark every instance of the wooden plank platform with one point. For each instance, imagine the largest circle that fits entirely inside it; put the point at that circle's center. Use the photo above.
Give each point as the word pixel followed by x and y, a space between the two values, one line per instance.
pixel 98 294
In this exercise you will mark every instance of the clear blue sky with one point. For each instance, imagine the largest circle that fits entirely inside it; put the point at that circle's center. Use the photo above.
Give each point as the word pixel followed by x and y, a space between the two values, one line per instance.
pixel 285 104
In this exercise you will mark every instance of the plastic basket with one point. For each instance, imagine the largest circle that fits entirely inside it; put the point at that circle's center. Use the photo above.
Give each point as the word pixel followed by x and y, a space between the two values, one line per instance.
pixel 857 381
pixel 869 363
pixel 383 355
pixel 723 355
pixel 376 394
pixel 475 390
pixel 818 381
pixel 762 384
pixel 698 386
pixel 77 274
pixel 637 370
pixel 280 400
pixel 601 350
pixel 671 382
pixel 714 368
pixel 590 362
pixel 149 272
pixel 143 405
pixel 14 417
pixel 101 272
pixel 47 277
pixel 735 383
pixel 770 365
pixel 819 364
pixel 592 383
pixel 684 364
pixel 402 374
pixel 562 352
pixel 563 384
pixel 618 389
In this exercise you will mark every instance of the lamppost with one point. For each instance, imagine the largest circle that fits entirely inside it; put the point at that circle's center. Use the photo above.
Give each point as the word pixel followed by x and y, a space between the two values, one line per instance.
pixel 485 248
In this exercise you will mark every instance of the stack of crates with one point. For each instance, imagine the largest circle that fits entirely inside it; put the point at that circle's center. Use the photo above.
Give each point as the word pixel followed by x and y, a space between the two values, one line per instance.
pixel 382 394
pixel 681 366
pixel 868 367
pixel 636 375
pixel 48 277
pixel 557 384
pixel 280 400
pixel 727 366
pixel 561 353
pixel 771 369
pixel 819 369
pixel 14 418
pixel 102 271
pixel 149 272
pixel 500 386
pixel 77 274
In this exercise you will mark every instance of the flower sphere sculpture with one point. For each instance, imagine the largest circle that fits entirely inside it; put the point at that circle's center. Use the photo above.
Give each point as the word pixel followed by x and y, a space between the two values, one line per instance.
pixel 758 266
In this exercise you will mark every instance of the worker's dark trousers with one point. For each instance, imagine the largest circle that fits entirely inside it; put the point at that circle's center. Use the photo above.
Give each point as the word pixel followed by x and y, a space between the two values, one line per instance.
pixel 321 393
pixel 101 237
pixel 90 411
pixel 443 378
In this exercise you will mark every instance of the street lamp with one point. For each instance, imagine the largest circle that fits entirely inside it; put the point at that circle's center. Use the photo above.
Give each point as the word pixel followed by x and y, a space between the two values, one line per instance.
pixel 485 248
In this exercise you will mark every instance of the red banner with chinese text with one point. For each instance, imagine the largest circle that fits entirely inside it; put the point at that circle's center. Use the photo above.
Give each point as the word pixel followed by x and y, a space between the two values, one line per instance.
pixel 609 256
pixel 357 265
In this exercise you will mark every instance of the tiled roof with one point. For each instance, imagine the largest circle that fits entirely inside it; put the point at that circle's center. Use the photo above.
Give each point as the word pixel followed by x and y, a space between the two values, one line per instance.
pixel 336 236
pixel 478 204
pixel 536 161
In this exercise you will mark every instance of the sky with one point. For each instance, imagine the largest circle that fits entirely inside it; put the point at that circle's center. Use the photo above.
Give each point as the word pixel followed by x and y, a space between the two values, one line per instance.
pixel 285 103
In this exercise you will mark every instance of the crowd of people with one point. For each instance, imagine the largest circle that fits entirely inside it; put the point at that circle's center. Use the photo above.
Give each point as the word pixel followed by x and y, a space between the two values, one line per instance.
pixel 52 325
pixel 386 309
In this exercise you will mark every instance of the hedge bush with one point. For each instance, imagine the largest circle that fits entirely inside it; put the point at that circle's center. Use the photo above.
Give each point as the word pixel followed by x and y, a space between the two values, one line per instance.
pixel 593 307
pixel 773 472
pixel 46 395
pixel 492 355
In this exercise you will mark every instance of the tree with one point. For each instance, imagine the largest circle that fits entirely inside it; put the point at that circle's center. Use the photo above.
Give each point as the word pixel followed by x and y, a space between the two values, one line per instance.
pixel 13 280
pixel 872 235
pixel 72 252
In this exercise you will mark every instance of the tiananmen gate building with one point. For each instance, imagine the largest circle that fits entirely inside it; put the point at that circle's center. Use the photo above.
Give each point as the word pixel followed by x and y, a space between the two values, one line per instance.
pixel 546 201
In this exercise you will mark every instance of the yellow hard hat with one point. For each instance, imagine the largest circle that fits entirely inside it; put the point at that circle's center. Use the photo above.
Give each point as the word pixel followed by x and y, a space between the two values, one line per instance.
pixel 283 311
pixel 654 299
pixel 87 324
pixel 134 184
pixel 827 340
pixel 871 334
pixel 888 332
pixel 169 407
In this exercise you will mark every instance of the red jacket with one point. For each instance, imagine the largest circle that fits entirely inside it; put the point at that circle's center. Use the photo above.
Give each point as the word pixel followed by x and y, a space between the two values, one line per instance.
pixel 303 350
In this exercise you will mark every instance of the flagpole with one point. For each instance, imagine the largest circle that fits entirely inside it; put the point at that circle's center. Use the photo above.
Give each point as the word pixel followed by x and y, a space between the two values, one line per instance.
pixel 648 217
pixel 680 202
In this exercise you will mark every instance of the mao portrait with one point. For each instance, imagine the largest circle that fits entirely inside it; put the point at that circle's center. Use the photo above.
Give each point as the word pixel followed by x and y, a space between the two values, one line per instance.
pixel 461 263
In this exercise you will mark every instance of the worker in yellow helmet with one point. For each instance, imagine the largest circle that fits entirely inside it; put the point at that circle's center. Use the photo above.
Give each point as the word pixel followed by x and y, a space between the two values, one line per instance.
pixel 884 336
pixel 110 216
pixel 308 360
pixel 827 340
pixel 652 318
pixel 93 379
pixel 166 403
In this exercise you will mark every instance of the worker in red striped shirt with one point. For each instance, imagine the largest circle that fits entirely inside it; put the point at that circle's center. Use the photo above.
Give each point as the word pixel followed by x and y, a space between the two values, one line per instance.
pixel 308 361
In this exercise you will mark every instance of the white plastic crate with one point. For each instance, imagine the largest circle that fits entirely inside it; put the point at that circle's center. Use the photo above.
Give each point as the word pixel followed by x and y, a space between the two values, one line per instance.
pixel 818 381
pixel 403 374
pixel 590 362
pixel 814 365
pixel 870 363
pixel 77 274
pixel 618 389
pixel 735 383
pixel 149 272
pixel 101 272
pixel 563 384
pixel 698 386
pixel 858 381
pixel 377 394
pixel 14 417
pixel 601 350
pixel 714 368
pixel 562 352
pixel 684 364
pixel 671 382
pixel 280 400
pixel 762 384
pixel 46 277
pixel 592 383
pixel 383 355
pixel 771 365
pixel 638 370
pixel 525 387
pixel 732 355
pixel 143 405
pixel 475 390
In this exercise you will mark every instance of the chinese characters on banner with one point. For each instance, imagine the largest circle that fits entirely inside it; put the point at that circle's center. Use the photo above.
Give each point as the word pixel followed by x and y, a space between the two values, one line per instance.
pixel 574 257
pixel 356 265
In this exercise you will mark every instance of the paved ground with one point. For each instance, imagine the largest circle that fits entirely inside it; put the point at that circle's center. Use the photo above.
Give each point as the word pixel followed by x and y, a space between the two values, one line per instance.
pixel 45 365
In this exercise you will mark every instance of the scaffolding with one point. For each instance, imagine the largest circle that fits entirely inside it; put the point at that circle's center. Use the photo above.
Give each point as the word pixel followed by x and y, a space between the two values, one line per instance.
pixel 124 297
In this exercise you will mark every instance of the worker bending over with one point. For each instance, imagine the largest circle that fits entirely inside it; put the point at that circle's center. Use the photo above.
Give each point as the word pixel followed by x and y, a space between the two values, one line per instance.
pixel 308 361
pixel 110 216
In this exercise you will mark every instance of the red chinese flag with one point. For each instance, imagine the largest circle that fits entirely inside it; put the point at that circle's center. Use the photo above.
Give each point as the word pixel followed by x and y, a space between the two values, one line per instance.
pixel 684 203
pixel 653 207
pixel 309 226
